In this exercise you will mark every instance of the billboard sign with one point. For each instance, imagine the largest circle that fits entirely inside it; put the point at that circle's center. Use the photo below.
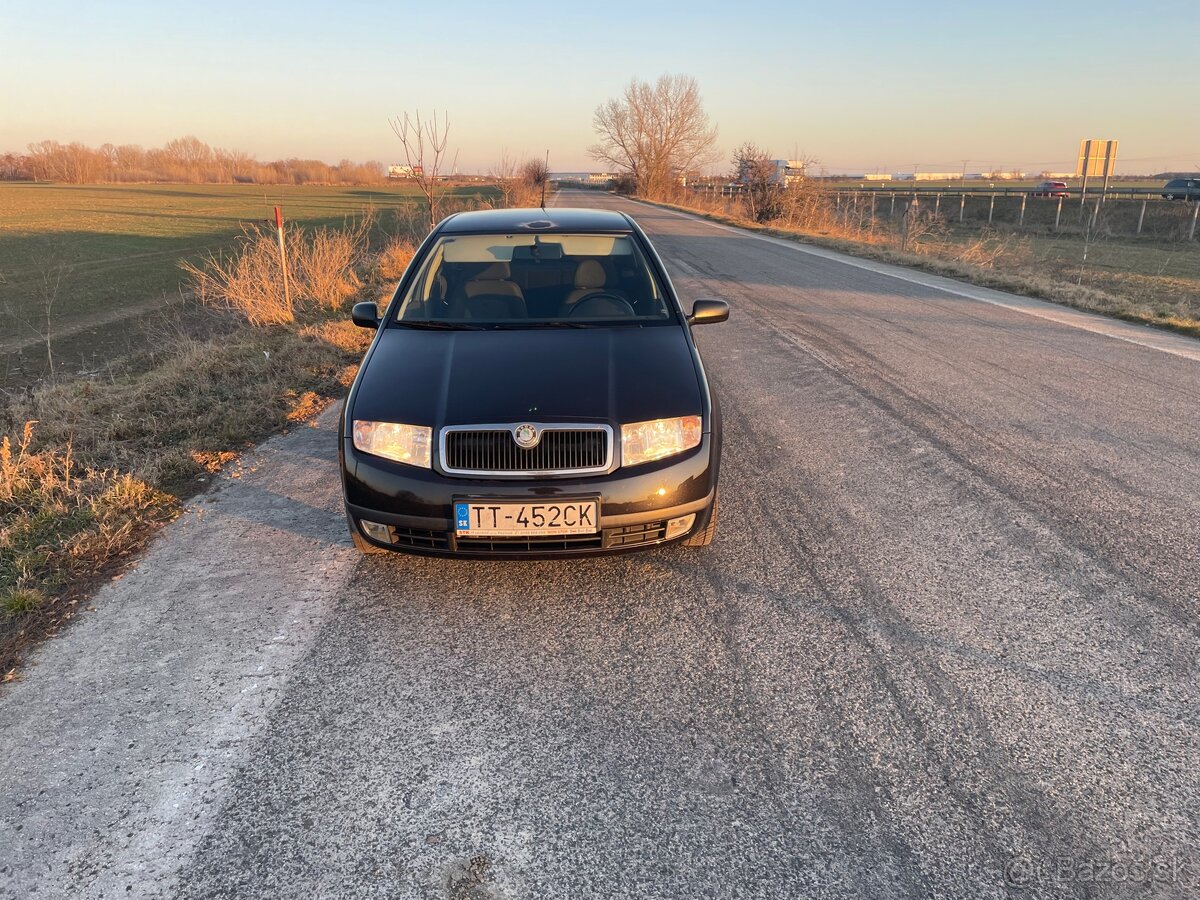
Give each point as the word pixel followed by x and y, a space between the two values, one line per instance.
pixel 1097 159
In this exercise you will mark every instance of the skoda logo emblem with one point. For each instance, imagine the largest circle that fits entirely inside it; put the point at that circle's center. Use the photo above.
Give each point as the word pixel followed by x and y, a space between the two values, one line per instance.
pixel 526 436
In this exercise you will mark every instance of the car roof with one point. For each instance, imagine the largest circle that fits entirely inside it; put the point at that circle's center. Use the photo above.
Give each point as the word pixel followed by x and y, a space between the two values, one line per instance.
pixel 536 221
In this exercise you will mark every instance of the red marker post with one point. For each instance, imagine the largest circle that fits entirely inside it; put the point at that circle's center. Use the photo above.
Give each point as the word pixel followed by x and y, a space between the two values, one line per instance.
pixel 287 290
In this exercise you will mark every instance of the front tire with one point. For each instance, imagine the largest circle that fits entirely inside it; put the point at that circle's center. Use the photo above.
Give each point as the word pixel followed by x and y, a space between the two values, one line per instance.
pixel 705 537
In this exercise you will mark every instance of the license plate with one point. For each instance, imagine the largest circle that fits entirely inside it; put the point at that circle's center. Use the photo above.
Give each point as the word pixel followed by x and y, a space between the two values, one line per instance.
pixel 502 518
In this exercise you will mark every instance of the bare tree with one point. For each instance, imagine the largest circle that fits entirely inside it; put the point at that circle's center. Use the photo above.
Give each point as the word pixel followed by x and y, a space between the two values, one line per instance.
pixel 915 224
pixel 46 290
pixel 535 177
pixel 504 172
pixel 655 132
pixel 520 184
pixel 425 142
pixel 189 156
pixel 765 185
pixel 73 163
pixel 15 167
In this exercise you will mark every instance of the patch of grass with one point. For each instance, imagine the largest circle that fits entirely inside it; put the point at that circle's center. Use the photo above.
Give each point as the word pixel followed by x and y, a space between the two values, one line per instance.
pixel 19 601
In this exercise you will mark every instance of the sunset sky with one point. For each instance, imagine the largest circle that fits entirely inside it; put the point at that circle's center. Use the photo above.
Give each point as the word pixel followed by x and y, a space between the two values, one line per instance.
pixel 860 87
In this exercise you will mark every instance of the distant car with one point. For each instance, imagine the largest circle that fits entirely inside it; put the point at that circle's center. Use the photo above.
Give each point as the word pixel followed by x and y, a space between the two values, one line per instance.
pixel 1182 189
pixel 1051 189
pixel 533 390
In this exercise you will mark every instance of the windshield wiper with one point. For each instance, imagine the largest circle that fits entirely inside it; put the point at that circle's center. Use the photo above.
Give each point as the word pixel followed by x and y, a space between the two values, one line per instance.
pixel 435 325
pixel 560 323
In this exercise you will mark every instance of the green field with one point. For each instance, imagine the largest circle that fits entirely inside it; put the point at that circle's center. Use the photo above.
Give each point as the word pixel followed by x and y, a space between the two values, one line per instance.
pixel 121 244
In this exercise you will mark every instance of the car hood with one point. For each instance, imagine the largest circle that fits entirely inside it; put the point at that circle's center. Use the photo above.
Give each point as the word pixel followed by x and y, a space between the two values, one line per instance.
pixel 616 375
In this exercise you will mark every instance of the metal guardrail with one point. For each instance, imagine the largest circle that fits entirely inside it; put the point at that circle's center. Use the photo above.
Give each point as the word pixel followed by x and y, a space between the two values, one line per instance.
pixel 900 190
pixel 1113 193
pixel 1074 211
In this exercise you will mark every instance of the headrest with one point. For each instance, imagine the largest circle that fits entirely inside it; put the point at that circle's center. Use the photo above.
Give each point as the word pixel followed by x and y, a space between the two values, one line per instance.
pixel 589 274
pixel 495 272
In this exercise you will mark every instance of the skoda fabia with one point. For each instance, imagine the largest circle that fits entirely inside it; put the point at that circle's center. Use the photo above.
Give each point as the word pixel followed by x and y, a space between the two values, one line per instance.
pixel 533 389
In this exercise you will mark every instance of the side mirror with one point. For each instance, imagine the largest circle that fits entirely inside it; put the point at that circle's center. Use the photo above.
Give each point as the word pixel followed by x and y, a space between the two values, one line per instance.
pixel 365 314
pixel 707 312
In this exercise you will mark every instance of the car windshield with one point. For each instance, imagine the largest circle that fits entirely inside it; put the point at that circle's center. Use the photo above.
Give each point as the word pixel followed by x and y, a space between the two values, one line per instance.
pixel 529 281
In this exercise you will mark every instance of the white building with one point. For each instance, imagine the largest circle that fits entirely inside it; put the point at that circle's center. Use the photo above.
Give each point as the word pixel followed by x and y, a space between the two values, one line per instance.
pixel 404 171
pixel 786 171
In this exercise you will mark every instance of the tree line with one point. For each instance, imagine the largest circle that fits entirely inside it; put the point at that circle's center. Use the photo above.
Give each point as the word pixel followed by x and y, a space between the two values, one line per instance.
pixel 185 160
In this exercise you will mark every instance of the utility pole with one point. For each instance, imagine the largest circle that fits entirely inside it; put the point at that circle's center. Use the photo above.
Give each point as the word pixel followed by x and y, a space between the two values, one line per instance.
pixel 545 178
pixel 1110 165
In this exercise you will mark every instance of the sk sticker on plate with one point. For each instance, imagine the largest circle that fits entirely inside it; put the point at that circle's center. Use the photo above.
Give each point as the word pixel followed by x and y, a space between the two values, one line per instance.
pixel 462 512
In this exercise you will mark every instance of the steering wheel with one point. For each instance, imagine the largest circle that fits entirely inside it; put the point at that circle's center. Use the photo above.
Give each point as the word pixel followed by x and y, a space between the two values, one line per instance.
pixel 616 306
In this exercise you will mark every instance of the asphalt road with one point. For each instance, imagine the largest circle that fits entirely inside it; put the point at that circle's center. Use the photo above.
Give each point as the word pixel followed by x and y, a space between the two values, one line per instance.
pixel 945 645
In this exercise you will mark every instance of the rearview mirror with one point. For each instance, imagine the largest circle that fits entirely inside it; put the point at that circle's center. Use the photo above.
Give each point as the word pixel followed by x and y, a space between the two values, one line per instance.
pixel 706 312
pixel 365 314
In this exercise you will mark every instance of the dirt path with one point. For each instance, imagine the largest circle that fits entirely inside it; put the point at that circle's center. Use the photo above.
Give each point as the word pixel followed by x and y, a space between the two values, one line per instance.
pixel 21 336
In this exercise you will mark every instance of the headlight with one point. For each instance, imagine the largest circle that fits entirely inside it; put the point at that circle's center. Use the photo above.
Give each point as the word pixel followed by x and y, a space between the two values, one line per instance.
pixel 644 442
pixel 404 443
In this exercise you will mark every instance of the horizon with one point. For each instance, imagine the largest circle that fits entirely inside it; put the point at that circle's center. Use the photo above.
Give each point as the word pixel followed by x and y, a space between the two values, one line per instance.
pixel 897 95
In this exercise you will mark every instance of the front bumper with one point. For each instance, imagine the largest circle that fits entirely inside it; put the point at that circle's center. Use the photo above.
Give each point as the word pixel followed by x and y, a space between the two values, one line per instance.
pixel 635 504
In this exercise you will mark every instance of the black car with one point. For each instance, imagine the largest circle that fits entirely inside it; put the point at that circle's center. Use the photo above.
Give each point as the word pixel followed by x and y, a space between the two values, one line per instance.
pixel 1182 189
pixel 533 390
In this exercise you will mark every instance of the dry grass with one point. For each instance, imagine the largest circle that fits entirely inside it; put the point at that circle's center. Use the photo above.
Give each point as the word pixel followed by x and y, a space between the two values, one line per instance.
pixel 326 263
pixel 248 281
pixel 215 396
pixel 394 258
pixel 324 269
pixel 61 523
pixel 990 249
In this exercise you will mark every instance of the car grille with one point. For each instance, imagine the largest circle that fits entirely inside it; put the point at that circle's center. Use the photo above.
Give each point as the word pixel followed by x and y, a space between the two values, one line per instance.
pixel 628 536
pixel 650 533
pixel 565 544
pixel 567 450
pixel 420 538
